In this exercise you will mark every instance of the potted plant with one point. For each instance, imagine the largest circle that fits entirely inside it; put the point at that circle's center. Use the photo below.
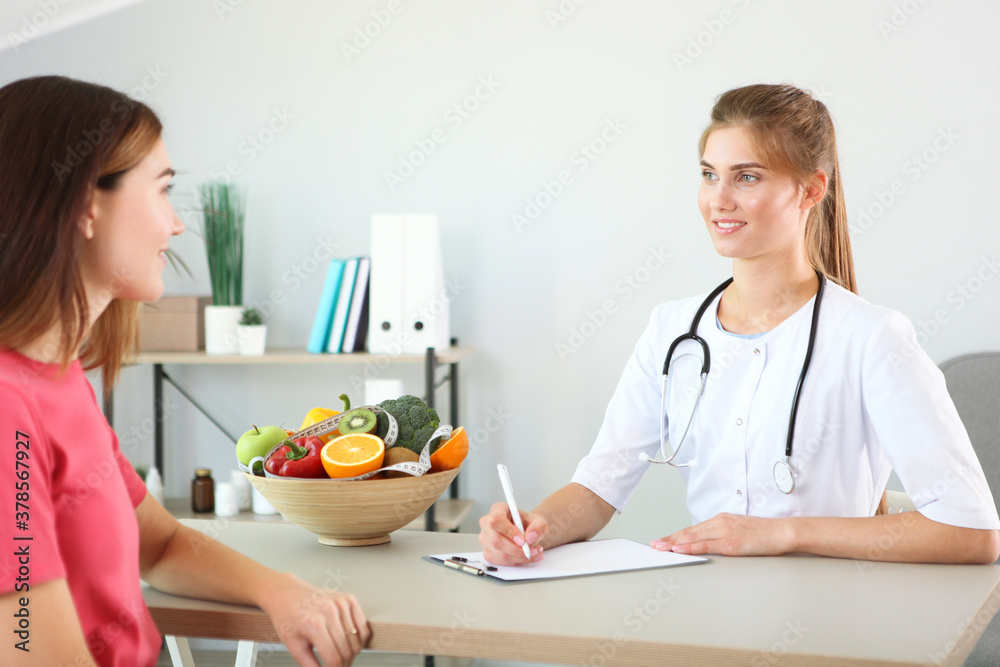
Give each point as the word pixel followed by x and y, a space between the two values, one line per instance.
pixel 251 332
pixel 224 211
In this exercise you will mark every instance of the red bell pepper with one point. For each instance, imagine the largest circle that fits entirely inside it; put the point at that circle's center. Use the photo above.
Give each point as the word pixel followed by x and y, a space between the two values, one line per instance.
pixel 298 458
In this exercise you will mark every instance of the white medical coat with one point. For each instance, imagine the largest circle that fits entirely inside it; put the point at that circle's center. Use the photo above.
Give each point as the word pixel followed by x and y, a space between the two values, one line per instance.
pixel 872 401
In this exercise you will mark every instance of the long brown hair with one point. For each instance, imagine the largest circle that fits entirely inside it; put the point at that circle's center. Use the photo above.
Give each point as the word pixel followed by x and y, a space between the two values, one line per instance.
pixel 792 133
pixel 60 140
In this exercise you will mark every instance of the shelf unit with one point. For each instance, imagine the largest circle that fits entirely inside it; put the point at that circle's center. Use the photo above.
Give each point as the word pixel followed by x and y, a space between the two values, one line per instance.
pixel 452 513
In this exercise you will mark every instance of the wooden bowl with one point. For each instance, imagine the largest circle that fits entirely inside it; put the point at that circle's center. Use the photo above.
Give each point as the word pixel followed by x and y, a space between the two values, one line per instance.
pixel 353 513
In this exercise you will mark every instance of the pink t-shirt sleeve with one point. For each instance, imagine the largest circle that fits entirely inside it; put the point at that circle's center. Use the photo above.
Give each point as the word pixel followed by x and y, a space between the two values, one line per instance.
pixel 27 519
pixel 133 483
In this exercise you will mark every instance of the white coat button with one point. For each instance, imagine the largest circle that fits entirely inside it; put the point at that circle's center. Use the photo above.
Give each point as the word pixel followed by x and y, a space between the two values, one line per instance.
pixel 739 421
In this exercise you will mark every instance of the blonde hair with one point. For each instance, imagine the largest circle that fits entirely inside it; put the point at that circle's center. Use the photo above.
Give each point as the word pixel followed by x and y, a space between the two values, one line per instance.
pixel 792 133
pixel 60 140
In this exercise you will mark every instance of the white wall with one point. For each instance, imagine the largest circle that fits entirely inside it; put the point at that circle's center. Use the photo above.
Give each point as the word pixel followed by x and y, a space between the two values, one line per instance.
pixel 219 79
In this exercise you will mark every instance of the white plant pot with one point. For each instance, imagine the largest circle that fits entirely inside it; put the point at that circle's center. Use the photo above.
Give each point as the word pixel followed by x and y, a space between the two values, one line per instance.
pixel 220 329
pixel 251 338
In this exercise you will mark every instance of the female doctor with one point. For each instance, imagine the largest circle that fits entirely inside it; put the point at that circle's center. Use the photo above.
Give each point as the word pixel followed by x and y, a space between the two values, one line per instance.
pixel 786 399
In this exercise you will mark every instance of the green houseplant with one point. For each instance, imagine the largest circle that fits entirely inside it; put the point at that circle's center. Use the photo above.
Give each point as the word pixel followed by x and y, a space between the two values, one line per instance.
pixel 251 332
pixel 224 213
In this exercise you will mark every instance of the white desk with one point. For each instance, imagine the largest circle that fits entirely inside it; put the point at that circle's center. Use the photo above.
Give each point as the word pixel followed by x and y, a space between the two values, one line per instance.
pixel 795 610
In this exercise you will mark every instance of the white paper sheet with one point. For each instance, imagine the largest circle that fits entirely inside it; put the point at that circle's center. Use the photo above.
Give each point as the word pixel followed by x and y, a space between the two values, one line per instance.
pixel 583 558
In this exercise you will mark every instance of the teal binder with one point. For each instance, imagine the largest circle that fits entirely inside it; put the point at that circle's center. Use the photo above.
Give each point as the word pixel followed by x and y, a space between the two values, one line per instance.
pixel 339 323
pixel 324 311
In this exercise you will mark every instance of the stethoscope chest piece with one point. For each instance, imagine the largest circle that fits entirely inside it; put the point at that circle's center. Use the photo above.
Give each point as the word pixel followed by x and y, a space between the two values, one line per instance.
pixel 784 478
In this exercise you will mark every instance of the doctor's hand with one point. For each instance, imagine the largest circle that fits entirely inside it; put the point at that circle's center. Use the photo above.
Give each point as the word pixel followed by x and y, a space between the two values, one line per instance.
pixel 501 540
pixel 731 535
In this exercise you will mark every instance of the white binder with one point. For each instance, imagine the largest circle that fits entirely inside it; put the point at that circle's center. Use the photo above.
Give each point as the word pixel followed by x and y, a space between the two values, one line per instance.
pixel 408 307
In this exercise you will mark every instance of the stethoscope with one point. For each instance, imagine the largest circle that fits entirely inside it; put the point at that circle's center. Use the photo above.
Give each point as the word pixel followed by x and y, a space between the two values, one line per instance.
pixel 784 478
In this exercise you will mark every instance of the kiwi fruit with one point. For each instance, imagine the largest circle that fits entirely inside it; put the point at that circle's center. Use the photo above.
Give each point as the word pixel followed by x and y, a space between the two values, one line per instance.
pixel 358 420
pixel 395 455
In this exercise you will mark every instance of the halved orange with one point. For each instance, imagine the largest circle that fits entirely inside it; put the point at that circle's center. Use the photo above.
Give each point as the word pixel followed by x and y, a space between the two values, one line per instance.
pixel 352 455
pixel 450 454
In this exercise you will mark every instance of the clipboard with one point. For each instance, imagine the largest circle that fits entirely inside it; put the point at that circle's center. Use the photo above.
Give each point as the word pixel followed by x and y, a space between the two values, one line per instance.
pixel 579 559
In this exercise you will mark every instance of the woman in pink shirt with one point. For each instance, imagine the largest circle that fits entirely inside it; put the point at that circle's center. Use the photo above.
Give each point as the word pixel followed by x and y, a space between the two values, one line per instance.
pixel 84 224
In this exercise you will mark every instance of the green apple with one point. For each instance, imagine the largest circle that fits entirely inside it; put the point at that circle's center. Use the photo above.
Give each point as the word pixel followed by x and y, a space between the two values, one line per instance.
pixel 258 442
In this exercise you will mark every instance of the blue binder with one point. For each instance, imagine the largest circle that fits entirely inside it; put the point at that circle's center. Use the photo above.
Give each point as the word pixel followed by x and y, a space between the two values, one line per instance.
pixel 324 311
pixel 339 322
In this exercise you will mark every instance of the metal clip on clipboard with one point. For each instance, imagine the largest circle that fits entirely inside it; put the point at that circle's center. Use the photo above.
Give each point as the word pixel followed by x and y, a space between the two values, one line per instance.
pixel 472 567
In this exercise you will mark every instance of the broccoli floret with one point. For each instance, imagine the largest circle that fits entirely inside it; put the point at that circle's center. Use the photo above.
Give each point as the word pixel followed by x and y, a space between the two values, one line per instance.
pixel 416 421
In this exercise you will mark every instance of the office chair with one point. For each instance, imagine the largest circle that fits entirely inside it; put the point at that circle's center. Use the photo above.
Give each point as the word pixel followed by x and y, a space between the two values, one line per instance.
pixel 974 384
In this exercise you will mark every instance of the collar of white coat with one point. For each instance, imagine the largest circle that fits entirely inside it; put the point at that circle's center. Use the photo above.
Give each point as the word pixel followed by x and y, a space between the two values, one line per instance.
pixel 836 304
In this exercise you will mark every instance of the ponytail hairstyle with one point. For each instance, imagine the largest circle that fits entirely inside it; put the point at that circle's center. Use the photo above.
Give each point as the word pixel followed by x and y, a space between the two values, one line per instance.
pixel 60 141
pixel 792 133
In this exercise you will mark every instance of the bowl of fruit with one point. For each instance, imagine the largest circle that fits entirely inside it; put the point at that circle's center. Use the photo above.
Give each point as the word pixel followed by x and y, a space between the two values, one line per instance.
pixel 354 477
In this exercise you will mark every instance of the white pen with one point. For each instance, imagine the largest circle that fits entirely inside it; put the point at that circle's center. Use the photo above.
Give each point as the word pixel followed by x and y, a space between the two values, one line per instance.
pixel 509 493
